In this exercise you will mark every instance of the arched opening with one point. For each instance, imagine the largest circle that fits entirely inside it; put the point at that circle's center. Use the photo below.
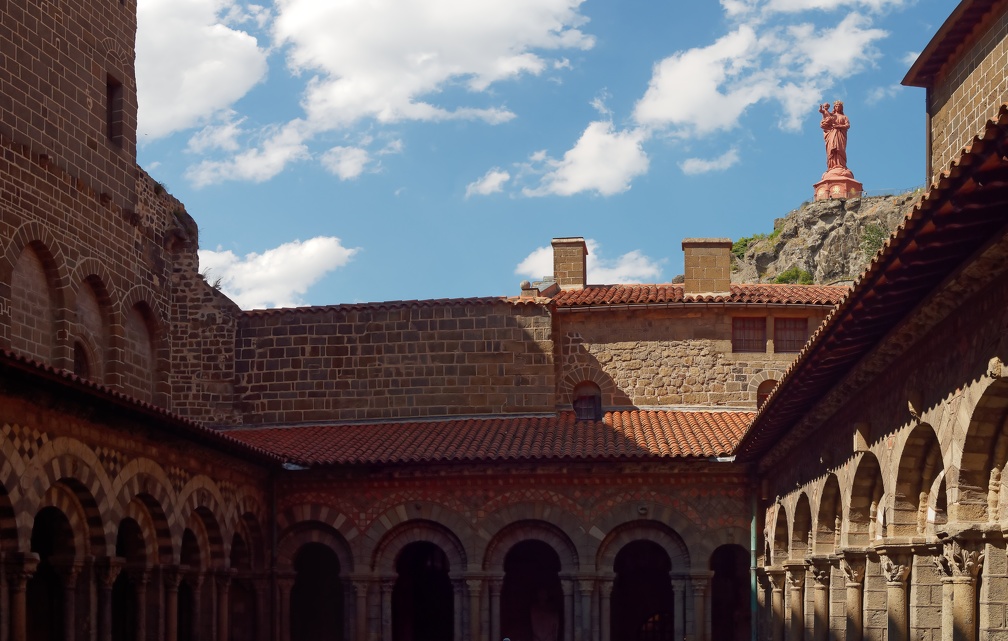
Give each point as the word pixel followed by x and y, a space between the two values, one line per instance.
pixel 763 391
pixel 867 490
pixel 141 361
pixel 187 593
pixel 531 597
pixel 642 597
pixel 731 594
pixel 32 308
pixel 919 486
pixel 93 319
pixel 316 600
pixel 587 400
pixel 125 597
pixel 830 518
pixel 779 552
pixel 242 614
pixel 422 600
pixel 81 360
pixel 52 539
pixel 801 532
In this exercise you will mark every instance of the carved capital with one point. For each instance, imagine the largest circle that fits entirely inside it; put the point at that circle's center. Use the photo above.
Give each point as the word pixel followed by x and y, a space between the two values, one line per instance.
pixel 820 569
pixel 606 587
pixel 895 566
pixel 795 573
pixel 387 585
pixel 586 585
pixel 475 586
pixel 963 559
pixel 776 579
pixel 19 569
pixel 853 566
pixel 172 577
pixel 107 570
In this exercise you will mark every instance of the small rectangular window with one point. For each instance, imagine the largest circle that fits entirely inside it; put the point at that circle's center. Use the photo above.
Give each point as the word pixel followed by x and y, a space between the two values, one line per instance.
pixel 114 110
pixel 790 334
pixel 749 334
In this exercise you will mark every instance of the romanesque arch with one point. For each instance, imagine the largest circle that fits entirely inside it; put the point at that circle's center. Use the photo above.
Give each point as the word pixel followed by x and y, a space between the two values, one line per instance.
pixel 92 334
pixel 865 505
pixel 801 528
pixel 644 530
pixel 918 483
pixel 829 517
pixel 386 553
pixel 984 454
pixel 317 560
pixel 53 540
pixel 780 542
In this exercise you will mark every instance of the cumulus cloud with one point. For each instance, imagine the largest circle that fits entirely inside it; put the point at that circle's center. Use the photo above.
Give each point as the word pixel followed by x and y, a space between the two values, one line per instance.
pixel 346 162
pixel 221 134
pixel 631 267
pixel 794 6
pixel 878 94
pixel 284 145
pixel 277 277
pixel 492 182
pixel 693 166
pixel 603 161
pixel 190 63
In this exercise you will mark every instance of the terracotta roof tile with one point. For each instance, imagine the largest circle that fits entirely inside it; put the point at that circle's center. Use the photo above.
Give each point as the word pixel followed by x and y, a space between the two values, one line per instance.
pixel 635 434
pixel 602 295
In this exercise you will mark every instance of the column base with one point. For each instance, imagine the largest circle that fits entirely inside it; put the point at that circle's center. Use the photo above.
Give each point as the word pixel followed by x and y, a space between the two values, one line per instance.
pixel 838 183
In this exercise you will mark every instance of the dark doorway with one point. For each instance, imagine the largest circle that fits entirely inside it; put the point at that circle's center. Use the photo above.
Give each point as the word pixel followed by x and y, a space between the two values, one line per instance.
pixel 531 597
pixel 130 546
pixel 243 614
pixel 422 600
pixel 730 594
pixel 188 593
pixel 52 540
pixel 316 612
pixel 642 605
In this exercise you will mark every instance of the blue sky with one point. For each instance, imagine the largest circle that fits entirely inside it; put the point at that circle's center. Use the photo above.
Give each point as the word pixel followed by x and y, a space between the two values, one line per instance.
pixel 365 150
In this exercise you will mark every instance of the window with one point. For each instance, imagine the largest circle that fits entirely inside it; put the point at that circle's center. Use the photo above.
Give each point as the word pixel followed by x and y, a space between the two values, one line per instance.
pixel 748 334
pixel 587 401
pixel 763 391
pixel 114 110
pixel 790 334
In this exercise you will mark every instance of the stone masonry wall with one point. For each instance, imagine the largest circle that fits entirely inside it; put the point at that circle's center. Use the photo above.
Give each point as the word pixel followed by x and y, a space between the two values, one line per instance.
pixel 666 357
pixel 969 93
pixel 55 65
pixel 395 360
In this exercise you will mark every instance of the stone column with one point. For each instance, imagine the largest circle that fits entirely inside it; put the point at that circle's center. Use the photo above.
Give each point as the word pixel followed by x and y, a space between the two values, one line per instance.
pixel 361 587
pixel 196 581
pixel 678 608
pixel 140 577
pixel 495 603
pixel 699 585
pixel 474 587
pixel 605 609
pixel 69 571
pixel 172 577
pixel 457 588
pixel 820 569
pixel 776 578
pixel 223 602
pixel 261 587
pixel 387 585
pixel 19 570
pixel 963 560
pixel 567 584
pixel 108 571
pixel 796 586
pixel 853 566
pixel 896 568
pixel 586 586
pixel 285 584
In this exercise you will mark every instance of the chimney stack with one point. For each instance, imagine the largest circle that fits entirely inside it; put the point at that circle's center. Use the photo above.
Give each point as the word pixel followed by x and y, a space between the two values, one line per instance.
pixel 708 265
pixel 570 262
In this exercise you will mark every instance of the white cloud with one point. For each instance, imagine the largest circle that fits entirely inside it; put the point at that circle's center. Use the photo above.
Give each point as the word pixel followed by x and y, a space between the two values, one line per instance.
pixel 222 134
pixel 878 94
pixel 910 57
pixel 492 182
pixel 693 166
pixel 190 63
pixel 603 161
pixel 346 162
pixel 631 267
pixel 277 277
pixel 794 6
pixel 283 146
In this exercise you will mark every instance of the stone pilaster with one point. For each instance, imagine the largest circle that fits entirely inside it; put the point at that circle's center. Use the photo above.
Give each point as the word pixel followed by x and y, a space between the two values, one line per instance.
pixel 796 586
pixel 853 565
pixel 896 564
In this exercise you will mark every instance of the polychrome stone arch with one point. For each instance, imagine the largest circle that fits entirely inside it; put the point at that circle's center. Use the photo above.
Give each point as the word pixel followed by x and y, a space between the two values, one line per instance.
pixel 64 499
pixel 333 517
pixel 511 535
pixel 584 373
pixel 386 553
pixel 559 513
pixel 65 459
pixel 248 522
pixel 643 530
pixel 137 510
pixel 198 527
pixel 698 541
pixel 293 539
pixel 424 511
pixel 142 476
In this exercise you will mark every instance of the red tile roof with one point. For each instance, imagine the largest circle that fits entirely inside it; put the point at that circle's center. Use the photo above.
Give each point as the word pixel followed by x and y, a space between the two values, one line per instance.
pixel 958 215
pixel 636 434
pixel 601 295
pixel 395 304
pixel 949 39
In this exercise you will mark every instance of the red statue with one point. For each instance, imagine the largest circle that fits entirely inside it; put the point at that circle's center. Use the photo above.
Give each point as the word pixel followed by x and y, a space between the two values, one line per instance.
pixel 835 126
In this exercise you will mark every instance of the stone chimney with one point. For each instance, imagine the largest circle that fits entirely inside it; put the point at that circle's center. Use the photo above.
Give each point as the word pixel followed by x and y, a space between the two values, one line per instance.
pixel 708 265
pixel 570 262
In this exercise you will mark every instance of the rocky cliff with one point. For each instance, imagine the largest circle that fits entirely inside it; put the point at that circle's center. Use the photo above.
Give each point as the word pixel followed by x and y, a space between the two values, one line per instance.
pixel 830 241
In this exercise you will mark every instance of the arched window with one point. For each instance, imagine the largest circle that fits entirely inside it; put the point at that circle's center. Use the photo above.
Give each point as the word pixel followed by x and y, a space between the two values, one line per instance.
pixel 763 391
pixel 587 399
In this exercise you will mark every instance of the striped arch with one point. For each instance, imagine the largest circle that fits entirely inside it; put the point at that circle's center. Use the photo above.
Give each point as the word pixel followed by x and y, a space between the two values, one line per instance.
pixel 699 541
pixel 643 530
pixel 8 524
pixel 64 499
pixel 197 526
pixel 292 540
pixel 137 511
pixel 515 533
pixel 160 537
pixel 581 373
pixel 386 554
pixel 144 480
pixel 248 523
pixel 66 460
pixel 331 516
pixel 421 511
pixel 763 376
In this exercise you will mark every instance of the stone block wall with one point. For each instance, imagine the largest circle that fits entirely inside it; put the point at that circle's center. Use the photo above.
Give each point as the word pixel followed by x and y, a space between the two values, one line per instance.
pixel 665 357
pixel 570 262
pixel 394 360
pixel 60 63
pixel 968 93
pixel 707 264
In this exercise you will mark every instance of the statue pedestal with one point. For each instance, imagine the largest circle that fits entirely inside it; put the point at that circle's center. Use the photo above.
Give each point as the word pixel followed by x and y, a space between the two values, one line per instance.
pixel 838 183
